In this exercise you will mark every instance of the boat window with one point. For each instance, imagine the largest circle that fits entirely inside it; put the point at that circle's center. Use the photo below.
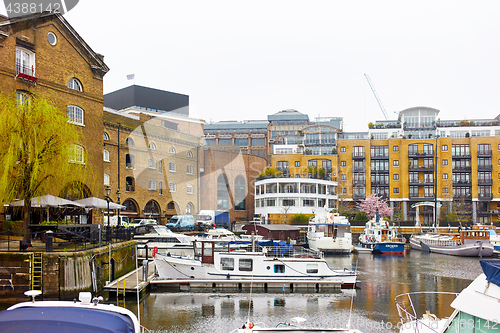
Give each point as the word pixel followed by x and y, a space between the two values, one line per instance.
pixel 246 265
pixel 312 268
pixel 227 264
pixel 279 268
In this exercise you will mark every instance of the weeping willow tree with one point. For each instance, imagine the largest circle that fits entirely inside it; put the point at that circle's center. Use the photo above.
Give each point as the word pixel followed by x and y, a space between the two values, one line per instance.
pixel 39 151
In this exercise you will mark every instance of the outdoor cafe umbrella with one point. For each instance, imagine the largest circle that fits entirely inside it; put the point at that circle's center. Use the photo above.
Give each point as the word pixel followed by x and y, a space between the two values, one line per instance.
pixel 47 201
pixel 94 202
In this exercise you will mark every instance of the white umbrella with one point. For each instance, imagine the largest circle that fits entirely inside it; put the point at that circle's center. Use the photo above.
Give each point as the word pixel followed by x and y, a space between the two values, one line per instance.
pixel 48 201
pixel 94 202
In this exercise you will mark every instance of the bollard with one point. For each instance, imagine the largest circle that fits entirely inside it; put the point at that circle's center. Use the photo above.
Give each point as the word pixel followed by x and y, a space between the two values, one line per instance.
pixel 49 245
pixel 144 270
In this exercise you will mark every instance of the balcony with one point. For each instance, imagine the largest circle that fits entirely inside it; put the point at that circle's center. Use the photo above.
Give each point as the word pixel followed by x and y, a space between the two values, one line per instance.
pixel 421 168
pixel 358 169
pixel 462 196
pixel 462 169
pixel 485 196
pixel 26 73
pixel 484 153
pixel 485 182
pixel 358 182
pixel 467 183
pixel 380 157
pixel 420 153
pixel 358 155
pixel 460 157
pixel 485 167
pixel 359 196
pixel 418 197
pixel 378 172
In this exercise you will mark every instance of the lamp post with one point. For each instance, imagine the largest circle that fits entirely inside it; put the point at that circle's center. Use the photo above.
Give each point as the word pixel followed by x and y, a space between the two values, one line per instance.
pixel 108 192
pixel 118 202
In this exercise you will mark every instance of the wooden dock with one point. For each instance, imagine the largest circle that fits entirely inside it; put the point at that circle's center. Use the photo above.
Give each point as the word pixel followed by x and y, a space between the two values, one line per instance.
pixel 131 282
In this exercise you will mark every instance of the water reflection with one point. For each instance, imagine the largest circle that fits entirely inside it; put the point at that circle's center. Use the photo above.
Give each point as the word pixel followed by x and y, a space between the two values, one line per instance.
pixel 382 279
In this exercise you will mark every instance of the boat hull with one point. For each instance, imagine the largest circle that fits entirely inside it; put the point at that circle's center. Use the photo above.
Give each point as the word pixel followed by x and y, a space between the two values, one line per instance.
pixel 384 247
pixel 478 249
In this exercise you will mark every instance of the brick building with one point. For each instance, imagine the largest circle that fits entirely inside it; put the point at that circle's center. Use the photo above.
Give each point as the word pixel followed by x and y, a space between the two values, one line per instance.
pixel 42 54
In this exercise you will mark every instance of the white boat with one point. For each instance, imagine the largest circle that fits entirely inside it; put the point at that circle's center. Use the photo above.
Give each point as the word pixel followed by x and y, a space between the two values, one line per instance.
pixel 330 234
pixel 219 234
pixel 381 237
pixel 296 326
pixel 474 242
pixel 83 316
pixel 276 263
pixel 475 309
pixel 162 240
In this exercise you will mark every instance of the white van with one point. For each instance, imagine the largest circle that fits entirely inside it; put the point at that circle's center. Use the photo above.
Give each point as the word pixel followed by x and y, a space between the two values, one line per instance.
pixel 113 221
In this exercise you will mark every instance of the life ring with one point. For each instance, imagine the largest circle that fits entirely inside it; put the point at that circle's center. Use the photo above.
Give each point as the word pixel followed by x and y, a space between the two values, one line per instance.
pixel 155 251
pixel 404 240
pixel 250 325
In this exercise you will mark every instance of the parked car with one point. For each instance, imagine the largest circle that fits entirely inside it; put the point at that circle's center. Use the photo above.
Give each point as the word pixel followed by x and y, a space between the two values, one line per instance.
pixel 141 222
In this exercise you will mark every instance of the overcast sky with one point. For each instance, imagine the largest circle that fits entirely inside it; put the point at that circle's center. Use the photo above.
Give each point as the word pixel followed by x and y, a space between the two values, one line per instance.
pixel 246 59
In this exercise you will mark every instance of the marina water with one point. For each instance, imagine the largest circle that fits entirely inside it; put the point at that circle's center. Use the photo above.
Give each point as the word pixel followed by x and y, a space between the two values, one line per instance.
pixel 382 278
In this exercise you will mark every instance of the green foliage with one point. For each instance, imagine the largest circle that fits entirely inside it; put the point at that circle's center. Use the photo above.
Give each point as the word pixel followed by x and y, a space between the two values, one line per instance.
pixel 16 226
pixel 271 172
pixel 450 217
pixel 36 144
pixel 55 222
pixel 315 172
pixel 361 216
pixel 398 217
pixel 300 219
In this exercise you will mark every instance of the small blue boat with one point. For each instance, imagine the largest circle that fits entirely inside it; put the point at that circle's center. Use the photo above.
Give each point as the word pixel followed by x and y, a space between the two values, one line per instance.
pixel 381 237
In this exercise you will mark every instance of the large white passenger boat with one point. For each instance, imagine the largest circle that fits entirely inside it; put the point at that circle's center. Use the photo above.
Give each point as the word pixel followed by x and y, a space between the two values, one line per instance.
pixel 330 234
pixel 276 263
pixel 160 239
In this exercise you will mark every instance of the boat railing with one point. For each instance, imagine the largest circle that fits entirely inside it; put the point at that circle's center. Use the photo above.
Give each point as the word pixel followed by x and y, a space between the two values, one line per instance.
pixel 288 251
pixel 405 304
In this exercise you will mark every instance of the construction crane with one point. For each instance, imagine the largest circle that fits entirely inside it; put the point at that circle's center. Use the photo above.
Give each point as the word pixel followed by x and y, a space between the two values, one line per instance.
pixel 376 96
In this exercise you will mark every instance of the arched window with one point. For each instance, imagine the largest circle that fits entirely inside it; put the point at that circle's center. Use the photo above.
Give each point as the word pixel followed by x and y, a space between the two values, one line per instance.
pixel 189 188
pixel 171 205
pixel 78 155
pixel 152 146
pixel 74 84
pixel 189 154
pixel 106 179
pixel 152 207
pixel 189 169
pixel 130 206
pixel 106 155
pixel 222 192
pixel 105 136
pixel 171 150
pixel 239 193
pixel 129 161
pixel 129 142
pixel 75 114
pixel 152 163
pixel 152 185
pixel 129 184
pixel 172 187
pixel 189 208
pixel 172 167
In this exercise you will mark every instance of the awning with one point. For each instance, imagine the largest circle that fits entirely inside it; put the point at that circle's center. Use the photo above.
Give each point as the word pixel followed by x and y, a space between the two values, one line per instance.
pixel 94 202
pixel 47 201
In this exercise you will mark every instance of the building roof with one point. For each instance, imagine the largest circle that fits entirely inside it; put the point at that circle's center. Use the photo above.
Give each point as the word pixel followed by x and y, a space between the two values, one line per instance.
pixel 287 115
pixel 232 124
pixel 148 99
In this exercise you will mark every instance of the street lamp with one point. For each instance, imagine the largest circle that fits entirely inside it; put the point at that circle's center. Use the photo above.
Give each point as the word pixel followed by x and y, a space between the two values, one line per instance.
pixel 118 202
pixel 108 192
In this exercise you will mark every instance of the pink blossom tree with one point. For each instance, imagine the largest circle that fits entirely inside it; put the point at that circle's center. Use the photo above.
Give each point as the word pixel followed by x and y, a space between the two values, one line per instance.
pixel 372 203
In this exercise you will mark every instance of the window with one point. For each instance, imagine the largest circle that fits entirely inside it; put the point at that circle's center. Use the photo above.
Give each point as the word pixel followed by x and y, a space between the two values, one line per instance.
pixel 297 164
pixel 227 264
pixel 395 163
pixel 312 268
pixel 342 149
pixel 444 148
pixel 172 187
pixel 106 155
pixel 171 150
pixel 129 142
pixel 74 84
pixel 395 176
pixel 189 208
pixel 160 188
pixel 239 193
pixel 189 188
pixel 78 155
pixel 279 268
pixel 152 163
pixel 343 177
pixel 52 38
pixel 129 184
pixel 25 62
pixel 395 190
pixel 246 265
pixel 445 176
pixel 75 114
pixel 106 179
pixel 105 136
pixel 445 190
pixel 445 162
pixel 130 206
pixel 395 149
pixel 160 166
pixel 152 185
pixel 189 169
pixel 22 98
pixel 343 163
pixel 129 161
pixel 152 146
pixel 189 154
pixel 172 167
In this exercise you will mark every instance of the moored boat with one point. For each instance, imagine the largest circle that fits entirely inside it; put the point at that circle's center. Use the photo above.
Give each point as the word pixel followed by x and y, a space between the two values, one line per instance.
pixel 160 239
pixel 381 237
pixel 276 263
pixel 83 316
pixel 474 242
pixel 330 234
